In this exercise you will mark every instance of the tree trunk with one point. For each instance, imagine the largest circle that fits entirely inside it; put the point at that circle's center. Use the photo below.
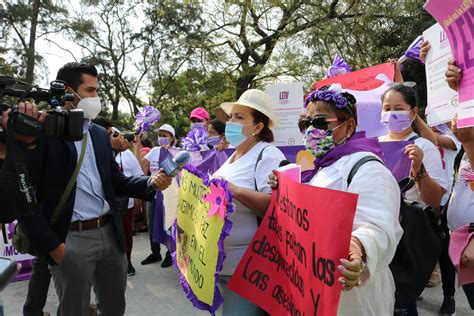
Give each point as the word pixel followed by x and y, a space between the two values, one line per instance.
pixel 115 111
pixel 243 83
pixel 30 55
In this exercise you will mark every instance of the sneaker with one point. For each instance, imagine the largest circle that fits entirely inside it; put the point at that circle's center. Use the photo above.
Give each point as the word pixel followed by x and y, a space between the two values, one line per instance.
pixel 130 269
pixel 448 307
pixel 168 260
pixel 152 258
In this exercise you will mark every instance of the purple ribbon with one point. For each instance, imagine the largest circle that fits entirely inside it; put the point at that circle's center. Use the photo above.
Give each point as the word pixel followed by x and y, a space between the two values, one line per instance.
pixel 146 118
pixel 339 67
pixel 195 140
pixel 413 51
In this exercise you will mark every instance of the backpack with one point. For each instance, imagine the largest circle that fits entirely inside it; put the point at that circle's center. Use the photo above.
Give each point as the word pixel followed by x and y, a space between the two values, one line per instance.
pixel 420 246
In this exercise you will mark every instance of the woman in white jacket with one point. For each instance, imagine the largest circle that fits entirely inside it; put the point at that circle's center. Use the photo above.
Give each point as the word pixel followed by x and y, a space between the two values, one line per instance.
pixel 329 129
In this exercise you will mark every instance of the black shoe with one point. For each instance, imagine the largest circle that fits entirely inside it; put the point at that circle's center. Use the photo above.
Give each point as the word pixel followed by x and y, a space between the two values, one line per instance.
pixel 168 260
pixel 448 307
pixel 154 257
pixel 134 232
pixel 130 269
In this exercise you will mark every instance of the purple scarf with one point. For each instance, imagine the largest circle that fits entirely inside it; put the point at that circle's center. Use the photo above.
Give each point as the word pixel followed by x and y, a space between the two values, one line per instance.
pixel 356 143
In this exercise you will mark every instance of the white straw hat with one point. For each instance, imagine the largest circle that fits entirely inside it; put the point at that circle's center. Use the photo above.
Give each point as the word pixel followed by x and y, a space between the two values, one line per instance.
pixel 257 100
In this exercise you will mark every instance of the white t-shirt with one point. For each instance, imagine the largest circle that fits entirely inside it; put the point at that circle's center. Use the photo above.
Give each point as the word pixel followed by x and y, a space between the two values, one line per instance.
pixel 447 159
pixel 153 157
pixel 461 205
pixel 376 225
pixel 131 167
pixel 432 163
pixel 243 174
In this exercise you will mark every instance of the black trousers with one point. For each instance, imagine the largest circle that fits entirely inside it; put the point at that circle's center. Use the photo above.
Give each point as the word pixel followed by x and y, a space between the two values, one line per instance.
pixel 37 288
pixel 448 272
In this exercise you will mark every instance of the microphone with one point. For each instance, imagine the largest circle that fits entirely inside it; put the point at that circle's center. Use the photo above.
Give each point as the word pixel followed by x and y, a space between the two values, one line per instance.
pixel 284 163
pixel 173 166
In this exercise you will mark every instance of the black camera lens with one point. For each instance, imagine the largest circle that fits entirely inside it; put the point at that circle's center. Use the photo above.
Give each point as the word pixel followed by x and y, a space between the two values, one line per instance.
pixel 129 136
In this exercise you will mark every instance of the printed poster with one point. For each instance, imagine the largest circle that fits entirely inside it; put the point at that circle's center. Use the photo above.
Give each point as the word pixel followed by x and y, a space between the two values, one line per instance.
pixel 456 18
pixel 288 99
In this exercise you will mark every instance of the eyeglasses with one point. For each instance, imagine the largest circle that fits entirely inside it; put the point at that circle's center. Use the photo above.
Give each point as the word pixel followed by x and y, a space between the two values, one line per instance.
pixel 320 122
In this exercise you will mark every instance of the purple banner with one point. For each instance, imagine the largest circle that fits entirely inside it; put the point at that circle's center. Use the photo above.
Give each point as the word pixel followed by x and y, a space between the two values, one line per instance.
pixel 7 250
pixel 397 161
pixel 210 160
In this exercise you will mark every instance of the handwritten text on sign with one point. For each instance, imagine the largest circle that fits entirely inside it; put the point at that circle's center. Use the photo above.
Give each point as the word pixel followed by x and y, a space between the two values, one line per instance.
pixel 197 238
pixel 290 266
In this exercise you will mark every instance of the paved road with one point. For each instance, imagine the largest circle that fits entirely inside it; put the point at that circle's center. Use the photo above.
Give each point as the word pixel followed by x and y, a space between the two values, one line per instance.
pixel 156 291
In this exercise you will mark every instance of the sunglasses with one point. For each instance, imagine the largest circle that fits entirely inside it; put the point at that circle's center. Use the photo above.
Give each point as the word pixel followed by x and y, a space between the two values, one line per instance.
pixel 319 122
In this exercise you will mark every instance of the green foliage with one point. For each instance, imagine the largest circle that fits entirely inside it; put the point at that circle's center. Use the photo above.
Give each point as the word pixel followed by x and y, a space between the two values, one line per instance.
pixel 192 88
pixel 177 55
pixel 16 23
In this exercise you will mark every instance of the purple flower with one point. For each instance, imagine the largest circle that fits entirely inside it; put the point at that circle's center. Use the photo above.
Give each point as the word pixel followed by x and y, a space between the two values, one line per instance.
pixel 146 118
pixel 330 95
pixel 311 97
pixel 340 101
pixel 326 95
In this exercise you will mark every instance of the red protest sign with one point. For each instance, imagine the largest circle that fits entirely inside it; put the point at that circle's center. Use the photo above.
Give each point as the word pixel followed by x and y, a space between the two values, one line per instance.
pixel 290 267
pixel 363 79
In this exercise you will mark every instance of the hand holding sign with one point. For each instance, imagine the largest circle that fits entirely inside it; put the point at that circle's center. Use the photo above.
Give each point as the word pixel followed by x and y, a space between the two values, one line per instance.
pixel 291 265
pixel 453 75
pixel 200 238
pixel 353 268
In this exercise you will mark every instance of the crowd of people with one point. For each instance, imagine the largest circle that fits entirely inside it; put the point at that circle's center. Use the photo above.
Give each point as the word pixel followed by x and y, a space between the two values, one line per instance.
pixel 116 180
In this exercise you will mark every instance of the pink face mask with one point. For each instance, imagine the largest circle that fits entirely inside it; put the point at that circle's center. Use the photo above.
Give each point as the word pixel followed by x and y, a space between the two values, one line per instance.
pixel 396 121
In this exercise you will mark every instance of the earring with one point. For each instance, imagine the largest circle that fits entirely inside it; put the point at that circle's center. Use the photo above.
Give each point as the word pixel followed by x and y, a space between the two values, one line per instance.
pixel 253 134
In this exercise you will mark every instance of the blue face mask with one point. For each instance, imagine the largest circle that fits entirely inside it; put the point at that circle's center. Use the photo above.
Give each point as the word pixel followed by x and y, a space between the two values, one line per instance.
pixel 233 133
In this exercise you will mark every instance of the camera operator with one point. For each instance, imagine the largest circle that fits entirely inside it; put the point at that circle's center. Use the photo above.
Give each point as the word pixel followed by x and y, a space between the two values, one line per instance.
pixel 9 194
pixel 86 247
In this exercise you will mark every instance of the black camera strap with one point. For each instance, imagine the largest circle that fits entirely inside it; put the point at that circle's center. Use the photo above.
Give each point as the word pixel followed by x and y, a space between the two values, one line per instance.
pixel 18 153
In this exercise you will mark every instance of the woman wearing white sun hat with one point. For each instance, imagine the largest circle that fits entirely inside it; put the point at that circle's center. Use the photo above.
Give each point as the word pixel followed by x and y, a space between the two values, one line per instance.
pixel 249 131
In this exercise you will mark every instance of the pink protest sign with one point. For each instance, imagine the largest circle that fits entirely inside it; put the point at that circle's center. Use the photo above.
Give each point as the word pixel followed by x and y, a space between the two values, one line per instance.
pixel 367 85
pixel 456 18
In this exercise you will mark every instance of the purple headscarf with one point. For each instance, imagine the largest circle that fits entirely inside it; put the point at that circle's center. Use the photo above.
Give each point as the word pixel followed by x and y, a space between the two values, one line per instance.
pixel 356 143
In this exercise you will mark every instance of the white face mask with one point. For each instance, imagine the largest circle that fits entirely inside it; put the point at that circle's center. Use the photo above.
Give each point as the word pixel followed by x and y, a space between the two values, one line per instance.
pixel 91 107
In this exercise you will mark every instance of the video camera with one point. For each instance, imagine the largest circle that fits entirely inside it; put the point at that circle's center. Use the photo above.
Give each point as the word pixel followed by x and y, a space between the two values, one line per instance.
pixel 65 124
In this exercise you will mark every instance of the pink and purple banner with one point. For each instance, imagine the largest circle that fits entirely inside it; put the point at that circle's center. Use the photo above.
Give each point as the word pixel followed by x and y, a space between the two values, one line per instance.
pixel 7 250
pixel 456 17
